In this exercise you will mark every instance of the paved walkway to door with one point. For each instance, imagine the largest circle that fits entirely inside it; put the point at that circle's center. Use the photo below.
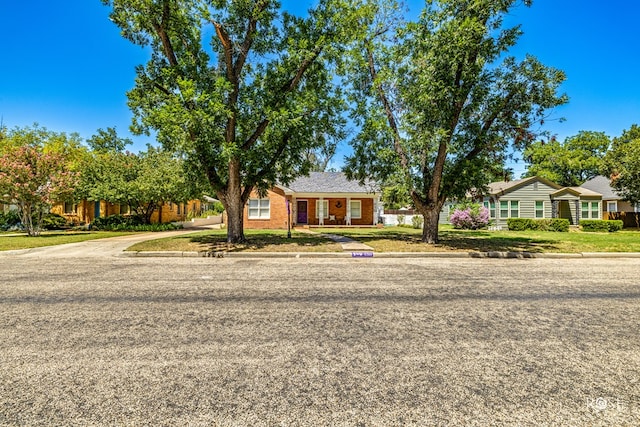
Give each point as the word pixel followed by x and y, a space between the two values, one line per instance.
pixel 347 243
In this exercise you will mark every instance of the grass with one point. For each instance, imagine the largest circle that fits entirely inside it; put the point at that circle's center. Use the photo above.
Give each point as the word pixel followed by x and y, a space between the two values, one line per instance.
pixel 258 240
pixel 400 239
pixel 11 241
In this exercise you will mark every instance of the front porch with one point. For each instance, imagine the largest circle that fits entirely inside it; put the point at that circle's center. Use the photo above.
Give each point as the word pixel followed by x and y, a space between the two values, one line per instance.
pixel 333 211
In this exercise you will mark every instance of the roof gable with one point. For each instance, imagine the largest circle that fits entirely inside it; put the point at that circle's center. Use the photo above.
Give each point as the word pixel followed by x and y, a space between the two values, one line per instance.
pixel 501 188
pixel 330 182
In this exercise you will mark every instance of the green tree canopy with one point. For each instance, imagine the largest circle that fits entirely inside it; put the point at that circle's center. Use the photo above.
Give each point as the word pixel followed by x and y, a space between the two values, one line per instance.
pixel 143 181
pixel 36 171
pixel 441 101
pixel 240 88
pixel 622 164
pixel 571 163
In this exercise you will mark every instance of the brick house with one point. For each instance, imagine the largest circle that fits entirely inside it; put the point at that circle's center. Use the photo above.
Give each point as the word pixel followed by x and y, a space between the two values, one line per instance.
pixel 84 212
pixel 320 199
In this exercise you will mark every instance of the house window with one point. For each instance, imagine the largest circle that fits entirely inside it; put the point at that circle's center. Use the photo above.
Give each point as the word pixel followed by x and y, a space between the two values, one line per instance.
pixel 612 206
pixel 515 209
pixel 590 210
pixel 69 208
pixel 539 209
pixel 124 209
pixel 356 209
pixel 509 209
pixel 491 206
pixel 259 209
pixel 325 209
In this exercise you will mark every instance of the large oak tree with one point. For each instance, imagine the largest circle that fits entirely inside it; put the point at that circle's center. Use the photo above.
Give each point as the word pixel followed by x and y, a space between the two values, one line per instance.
pixel 239 87
pixel 441 102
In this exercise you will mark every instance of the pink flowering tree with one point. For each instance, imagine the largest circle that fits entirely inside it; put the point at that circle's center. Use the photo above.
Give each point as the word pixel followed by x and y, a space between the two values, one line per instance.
pixel 33 180
pixel 469 216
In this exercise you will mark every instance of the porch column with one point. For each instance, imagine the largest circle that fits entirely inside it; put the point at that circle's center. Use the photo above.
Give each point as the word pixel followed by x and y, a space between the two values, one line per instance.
pixel 347 219
pixel 577 203
pixel 375 211
pixel 554 209
pixel 321 211
pixel 294 211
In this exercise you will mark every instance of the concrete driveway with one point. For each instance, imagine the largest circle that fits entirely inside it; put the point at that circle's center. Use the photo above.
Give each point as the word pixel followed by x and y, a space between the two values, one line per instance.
pixel 100 248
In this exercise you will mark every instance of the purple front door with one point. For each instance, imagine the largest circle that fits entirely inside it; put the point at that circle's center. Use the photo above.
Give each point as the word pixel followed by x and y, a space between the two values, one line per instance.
pixel 302 212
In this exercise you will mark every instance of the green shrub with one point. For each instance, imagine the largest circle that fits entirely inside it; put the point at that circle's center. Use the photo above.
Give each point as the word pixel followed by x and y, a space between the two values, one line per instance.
pixel 53 221
pixel 522 224
pixel 144 227
pixel 400 220
pixel 9 220
pixel 417 221
pixel 557 224
pixel 601 225
pixel 111 222
pixel 129 223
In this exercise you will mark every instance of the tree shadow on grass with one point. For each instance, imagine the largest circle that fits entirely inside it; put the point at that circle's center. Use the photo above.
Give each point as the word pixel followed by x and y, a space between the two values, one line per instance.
pixel 268 242
pixel 456 240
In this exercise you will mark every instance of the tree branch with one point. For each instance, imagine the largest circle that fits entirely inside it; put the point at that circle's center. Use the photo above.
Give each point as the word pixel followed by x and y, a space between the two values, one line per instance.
pixel 159 27
pixel 382 96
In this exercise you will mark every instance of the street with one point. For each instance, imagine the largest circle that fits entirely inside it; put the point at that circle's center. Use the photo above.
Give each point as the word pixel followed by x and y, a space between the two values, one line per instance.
pixel 309 342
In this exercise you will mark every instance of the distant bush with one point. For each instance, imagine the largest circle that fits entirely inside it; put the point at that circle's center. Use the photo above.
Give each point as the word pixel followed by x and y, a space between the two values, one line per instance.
pixel 417 221
pixel 400 219
pixel 600 225
pixel 523 224
pixel 53 221
pixel 470 216
pixel 111 222
pixel 144 227
pixel 129 223
pixel 9 220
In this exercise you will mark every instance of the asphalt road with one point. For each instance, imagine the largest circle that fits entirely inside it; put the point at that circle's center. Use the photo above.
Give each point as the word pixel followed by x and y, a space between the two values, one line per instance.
pixel 308 342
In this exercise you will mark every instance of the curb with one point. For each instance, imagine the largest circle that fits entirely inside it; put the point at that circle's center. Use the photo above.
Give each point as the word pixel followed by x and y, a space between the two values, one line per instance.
pixel 370 254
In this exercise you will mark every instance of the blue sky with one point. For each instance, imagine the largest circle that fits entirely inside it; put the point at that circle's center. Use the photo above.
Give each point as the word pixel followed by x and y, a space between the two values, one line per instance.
pixel 65 66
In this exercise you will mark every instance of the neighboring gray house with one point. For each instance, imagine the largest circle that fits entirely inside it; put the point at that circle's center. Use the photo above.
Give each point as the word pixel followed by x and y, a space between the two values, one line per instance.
pixel 538 198
pixel 613 205
pixel 612 201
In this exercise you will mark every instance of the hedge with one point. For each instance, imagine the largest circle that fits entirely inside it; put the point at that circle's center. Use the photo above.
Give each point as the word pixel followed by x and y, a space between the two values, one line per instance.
pixel 129 223
pixel 601 225
pixel 522 224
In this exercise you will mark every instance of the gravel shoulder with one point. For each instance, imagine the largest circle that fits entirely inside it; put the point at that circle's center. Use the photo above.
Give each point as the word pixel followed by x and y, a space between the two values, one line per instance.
pixel 294 342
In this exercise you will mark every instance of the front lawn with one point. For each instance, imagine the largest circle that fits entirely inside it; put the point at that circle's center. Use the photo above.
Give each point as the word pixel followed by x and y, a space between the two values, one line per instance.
pixel 13 241
pixel 400 239
pixel 257 240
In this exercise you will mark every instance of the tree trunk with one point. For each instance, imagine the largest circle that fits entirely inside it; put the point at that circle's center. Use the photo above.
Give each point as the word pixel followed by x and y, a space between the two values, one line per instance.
pixel 233 203
pixel 430 226
pixel 235 217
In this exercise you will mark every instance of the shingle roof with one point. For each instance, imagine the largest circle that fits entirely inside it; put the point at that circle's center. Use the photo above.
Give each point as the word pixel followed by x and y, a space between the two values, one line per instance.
pixel 601 184
pixel 330 182
pixel 500 186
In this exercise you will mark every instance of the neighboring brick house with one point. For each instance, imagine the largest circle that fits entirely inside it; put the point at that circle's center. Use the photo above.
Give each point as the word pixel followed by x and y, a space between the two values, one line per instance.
pixel 84 212
pixel 320 199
